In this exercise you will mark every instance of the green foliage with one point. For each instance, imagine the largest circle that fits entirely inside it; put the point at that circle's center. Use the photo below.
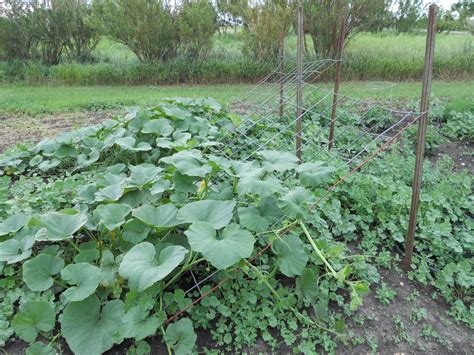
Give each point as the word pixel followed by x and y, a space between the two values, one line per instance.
pixel 155 31
pixel 323 19
pixel 263 25
pixel 196 25
pixel 16 31
pixel 385 294
pixel 409 12
pixel 111 248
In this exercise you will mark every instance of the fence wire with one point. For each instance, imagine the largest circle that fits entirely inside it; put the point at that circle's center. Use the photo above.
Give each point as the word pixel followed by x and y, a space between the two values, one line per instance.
pixel 362 131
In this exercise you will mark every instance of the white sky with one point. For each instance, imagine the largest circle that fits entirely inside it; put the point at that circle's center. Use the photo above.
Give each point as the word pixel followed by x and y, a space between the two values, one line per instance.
pixel 446 4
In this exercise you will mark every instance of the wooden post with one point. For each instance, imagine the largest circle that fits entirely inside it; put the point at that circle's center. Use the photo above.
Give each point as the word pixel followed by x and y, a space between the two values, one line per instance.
pixel 282 75
pixel 299 80
pixel 337 80
pixel 422 125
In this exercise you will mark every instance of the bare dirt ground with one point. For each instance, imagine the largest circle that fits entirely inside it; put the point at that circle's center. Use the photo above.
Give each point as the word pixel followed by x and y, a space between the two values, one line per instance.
pixel 413 322
pixel 462 154
pixel 21 129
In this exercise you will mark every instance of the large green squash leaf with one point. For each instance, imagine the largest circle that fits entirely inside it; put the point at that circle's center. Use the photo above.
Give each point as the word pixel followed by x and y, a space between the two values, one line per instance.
pixel 33 317
pixel 160 127
pixel 143 174
pixel 85 276
pixel 307 285
pixel 142 269
pixel 90 330
pixel 216 213
pixel 18 248
pixel 189 162
pixel 180 336
pixel 223 250
pixel 314 174
pixel 251 218
pixel 113 215
pixel 38 272
pixel 161 217
pixel 292 258
pixel 137 324
pixel 295 202
pixel 40 348
pixel 258 183
pixel 13 223
pixel 60 225
pixel 135 231
pixel 278 161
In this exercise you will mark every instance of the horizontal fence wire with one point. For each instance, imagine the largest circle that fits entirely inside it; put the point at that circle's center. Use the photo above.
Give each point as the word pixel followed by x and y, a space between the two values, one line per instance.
pixel 373 129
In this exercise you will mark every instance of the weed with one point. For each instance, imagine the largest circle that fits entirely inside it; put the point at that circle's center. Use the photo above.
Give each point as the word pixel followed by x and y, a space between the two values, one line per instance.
pixel 385 294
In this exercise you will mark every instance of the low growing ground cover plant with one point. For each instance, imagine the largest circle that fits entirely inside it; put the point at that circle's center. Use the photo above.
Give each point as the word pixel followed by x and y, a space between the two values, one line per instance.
pixel 101 226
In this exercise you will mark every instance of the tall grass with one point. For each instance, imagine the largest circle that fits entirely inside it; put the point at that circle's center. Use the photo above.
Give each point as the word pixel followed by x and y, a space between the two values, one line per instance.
pixel 383 56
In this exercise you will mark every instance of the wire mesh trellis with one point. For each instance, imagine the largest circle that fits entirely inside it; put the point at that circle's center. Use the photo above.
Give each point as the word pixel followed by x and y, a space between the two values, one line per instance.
pixel 362 131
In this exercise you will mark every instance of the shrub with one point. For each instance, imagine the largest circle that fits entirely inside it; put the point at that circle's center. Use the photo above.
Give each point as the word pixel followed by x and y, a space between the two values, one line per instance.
pixel 196 25
pixel 16 31
pixel 263 24
pixel 322 21
pixel 83 35
pixel 145 26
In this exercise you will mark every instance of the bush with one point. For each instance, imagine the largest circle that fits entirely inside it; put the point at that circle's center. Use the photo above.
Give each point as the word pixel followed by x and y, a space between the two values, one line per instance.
pixel 83 35
pixel 145 26
pixel 196 25
pixel 17 38
pixel 155 31
pixel 263 25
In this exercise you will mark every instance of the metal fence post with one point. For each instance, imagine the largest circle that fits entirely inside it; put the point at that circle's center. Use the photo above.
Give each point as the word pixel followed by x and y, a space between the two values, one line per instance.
pixel 282 75
pixel 299 80
pixel 422 126
pixel 340 48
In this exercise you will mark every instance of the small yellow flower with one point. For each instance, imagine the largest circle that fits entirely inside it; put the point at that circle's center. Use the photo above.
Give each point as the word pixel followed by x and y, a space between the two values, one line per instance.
pixel 202 186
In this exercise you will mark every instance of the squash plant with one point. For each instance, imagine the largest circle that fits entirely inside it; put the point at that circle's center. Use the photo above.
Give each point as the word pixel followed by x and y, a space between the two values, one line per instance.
pixel 139 201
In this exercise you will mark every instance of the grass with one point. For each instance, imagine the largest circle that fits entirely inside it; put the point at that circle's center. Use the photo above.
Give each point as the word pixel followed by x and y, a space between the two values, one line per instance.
pixel 38 100
pixel 382 56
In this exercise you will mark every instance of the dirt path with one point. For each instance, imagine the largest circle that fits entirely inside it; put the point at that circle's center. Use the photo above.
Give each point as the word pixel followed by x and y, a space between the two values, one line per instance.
pixel 18 129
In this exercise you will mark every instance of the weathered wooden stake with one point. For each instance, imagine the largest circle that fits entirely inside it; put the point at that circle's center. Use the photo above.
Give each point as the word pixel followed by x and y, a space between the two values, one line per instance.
pixel 422 125
pixel 282 70
pixel 337 80
pixel 299 81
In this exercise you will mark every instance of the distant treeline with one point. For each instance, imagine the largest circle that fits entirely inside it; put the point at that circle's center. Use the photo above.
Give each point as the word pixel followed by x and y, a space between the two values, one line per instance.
pixel 55 39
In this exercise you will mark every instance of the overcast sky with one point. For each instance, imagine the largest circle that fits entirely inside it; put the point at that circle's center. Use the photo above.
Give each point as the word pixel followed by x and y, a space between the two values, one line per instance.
pixel 444 3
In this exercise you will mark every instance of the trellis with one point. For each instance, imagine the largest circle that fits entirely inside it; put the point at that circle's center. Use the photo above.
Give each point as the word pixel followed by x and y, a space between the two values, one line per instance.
pixel 291 108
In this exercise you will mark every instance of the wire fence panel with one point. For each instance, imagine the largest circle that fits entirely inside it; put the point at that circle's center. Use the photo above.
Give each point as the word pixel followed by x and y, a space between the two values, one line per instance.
pixel 362 131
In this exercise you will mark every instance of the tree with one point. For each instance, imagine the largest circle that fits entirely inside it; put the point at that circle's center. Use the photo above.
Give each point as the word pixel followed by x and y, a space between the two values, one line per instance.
pixel 82 34
pixel 262 26
pixel 322 20
pixel 17 34
pixel 156 31
pixel 147 27
pixel 196 24
pixel 229 13
pixel 50 26
pixel 408 14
